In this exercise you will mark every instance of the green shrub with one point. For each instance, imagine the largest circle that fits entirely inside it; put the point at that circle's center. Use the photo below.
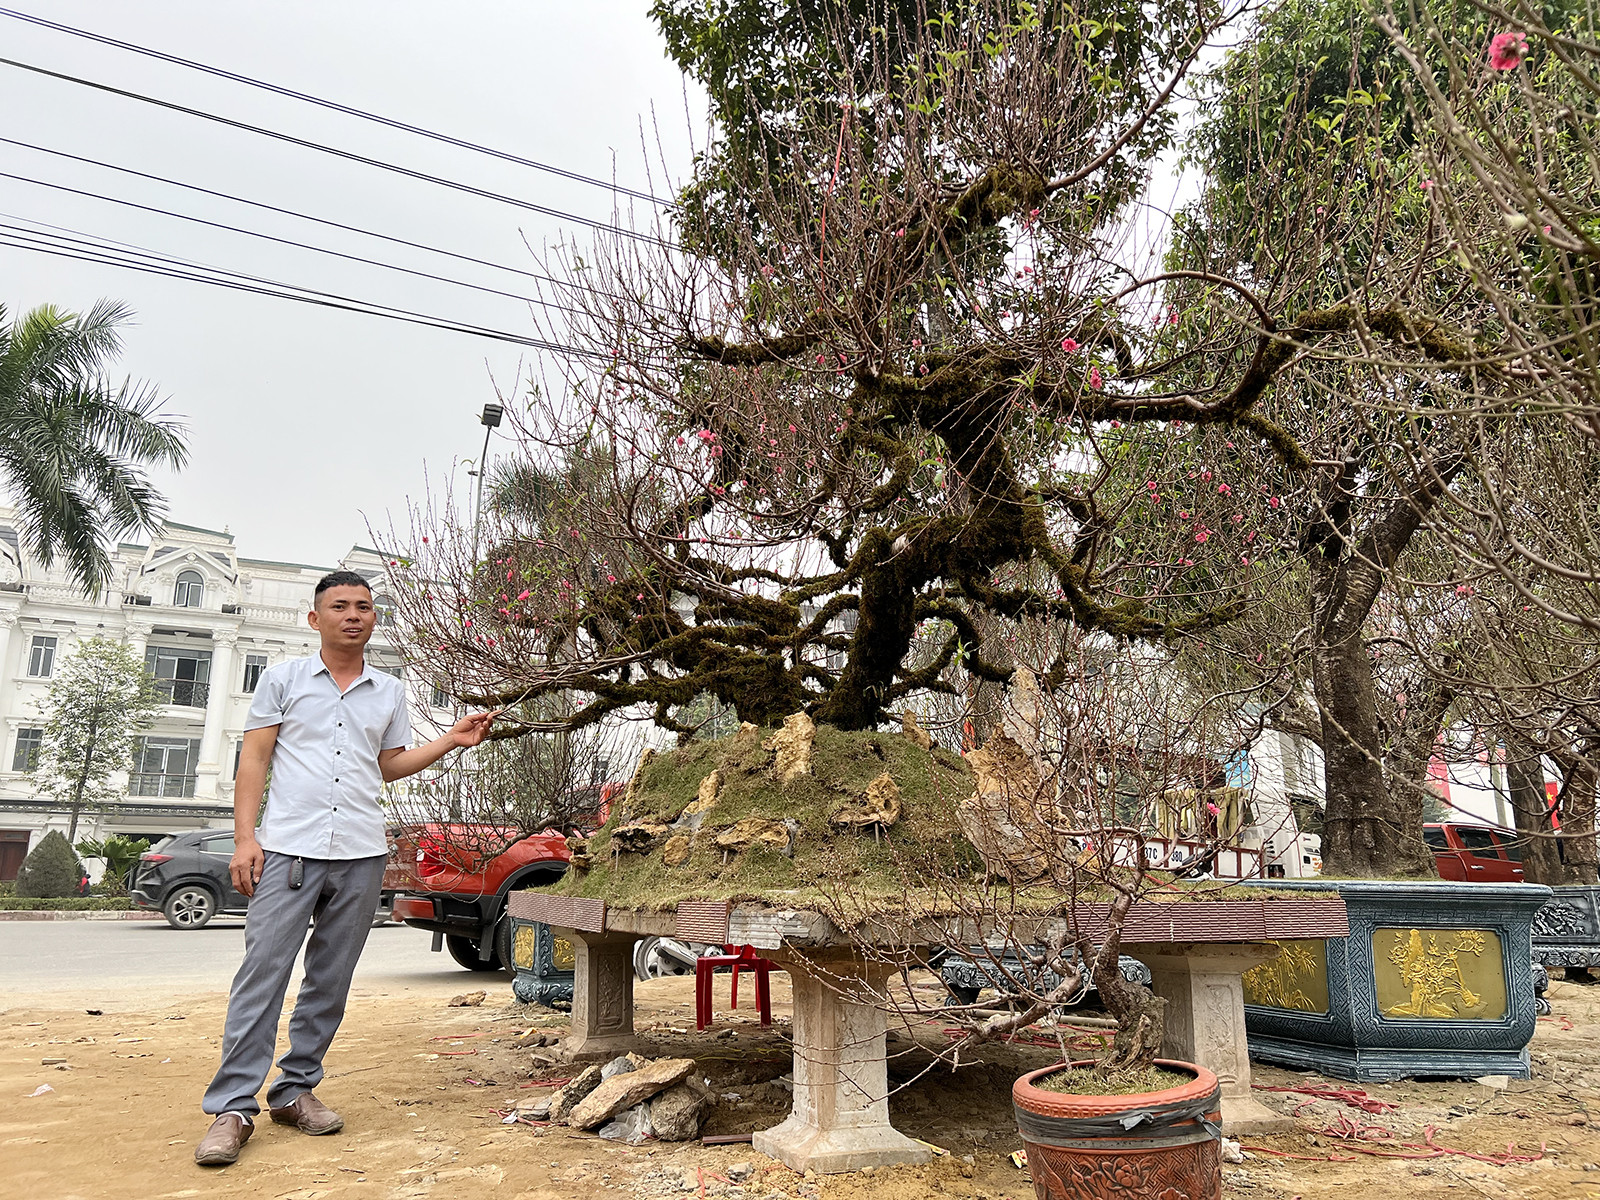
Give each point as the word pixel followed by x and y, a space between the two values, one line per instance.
pixel 51 869
pixel 71 904
pixel 7 888
pixel 119 855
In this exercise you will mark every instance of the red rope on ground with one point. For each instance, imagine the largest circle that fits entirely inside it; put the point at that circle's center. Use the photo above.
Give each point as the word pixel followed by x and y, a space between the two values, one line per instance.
pixel 1566 1022
pixel 1355 1133
pixel 1354 1097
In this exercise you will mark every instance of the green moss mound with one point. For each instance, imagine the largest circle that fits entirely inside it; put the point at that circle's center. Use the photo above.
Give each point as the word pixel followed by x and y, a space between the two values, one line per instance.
pixel 819 856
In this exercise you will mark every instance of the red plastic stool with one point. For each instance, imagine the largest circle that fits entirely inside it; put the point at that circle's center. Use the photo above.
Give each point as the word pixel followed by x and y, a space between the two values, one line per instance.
pixel 739 958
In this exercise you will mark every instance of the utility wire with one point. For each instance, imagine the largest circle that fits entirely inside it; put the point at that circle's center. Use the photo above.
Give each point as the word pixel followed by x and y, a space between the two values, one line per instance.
pixel 371 262
pixel 348 155
pixel 289 212
pixel 86 250
pixel 334 106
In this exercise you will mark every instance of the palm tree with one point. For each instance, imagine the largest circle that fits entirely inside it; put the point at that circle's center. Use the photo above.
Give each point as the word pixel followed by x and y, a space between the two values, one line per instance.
pixel 74 445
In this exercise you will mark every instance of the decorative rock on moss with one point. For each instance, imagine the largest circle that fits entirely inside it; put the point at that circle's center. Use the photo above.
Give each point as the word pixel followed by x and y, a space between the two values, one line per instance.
pixel 793 746
pixel 881 807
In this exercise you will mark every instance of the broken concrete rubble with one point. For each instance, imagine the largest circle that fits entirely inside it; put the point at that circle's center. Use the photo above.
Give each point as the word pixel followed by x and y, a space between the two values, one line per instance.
pixel 676 1113
pixel 627 1089
pixel 568 1097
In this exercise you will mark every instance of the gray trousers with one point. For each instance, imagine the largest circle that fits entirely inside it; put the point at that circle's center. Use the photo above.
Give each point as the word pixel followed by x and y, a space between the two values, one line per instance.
pixel 337 900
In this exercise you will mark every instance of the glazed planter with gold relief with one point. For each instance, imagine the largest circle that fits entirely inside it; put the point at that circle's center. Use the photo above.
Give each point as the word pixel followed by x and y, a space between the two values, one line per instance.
pixel 543 963
pixel 1434 979
pixel 1162 1145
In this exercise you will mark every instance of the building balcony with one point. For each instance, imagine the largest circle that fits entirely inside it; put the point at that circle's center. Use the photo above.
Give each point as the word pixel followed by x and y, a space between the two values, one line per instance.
pixel 184 693
pixel 160 785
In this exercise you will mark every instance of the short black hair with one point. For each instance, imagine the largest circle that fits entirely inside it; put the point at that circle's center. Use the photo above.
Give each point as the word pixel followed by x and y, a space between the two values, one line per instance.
pixel 335 579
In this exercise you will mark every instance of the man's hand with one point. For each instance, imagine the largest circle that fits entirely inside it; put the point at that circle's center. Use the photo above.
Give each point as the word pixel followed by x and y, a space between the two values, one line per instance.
pixel 471 730
pixel 245 866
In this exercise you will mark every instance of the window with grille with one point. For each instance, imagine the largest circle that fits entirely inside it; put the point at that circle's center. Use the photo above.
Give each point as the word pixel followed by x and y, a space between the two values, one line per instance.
pixel 254 664
pixel 385 609
pixel 190 590
pixel 182 676
pixel 164 766
pixel 440 698
pixel 26 756
pixel 42 657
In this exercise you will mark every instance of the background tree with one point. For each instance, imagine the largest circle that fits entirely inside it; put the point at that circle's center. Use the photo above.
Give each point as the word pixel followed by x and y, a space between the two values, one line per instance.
pixel 74 444
pixel 100 700
pixel 51 869
pixel 1317 191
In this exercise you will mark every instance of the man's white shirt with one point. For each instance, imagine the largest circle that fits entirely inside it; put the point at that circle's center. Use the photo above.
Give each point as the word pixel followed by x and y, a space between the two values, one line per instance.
pixel 323 797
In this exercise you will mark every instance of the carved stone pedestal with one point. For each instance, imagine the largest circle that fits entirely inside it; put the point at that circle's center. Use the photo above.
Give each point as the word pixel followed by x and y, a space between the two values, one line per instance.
pixel 602 998
pixel 840 1120
pixel 1205 1023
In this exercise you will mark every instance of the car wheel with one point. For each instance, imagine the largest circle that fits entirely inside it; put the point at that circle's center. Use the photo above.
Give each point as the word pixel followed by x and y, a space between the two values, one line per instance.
pixel 502 947
pixel 465 951
pixel 189 907
pixel 659 957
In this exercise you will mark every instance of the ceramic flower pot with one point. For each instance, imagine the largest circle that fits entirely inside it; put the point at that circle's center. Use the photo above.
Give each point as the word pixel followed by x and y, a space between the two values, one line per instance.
pixel 1434 979
pixel 1163 1145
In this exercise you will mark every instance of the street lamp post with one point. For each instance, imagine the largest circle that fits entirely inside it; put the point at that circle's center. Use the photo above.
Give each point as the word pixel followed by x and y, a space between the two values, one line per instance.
pixel 489 418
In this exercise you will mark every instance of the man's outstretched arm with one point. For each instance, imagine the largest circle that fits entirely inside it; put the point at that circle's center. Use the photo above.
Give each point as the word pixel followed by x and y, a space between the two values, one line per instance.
pixel 467 732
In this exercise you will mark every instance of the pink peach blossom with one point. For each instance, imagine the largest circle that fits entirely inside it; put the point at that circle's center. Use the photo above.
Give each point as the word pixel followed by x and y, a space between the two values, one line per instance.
pixel 1506 50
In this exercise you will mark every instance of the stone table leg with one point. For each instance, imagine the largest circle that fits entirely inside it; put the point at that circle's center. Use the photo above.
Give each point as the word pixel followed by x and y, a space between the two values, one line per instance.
pixel 602 994
pixel 840 1120
pixel 1205 1023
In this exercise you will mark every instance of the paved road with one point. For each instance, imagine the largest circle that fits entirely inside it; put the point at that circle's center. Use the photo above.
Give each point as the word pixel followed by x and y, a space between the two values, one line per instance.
pixel 127 960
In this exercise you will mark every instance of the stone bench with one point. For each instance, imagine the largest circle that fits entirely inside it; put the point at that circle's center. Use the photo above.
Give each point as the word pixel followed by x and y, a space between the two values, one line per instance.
pixel 1196 951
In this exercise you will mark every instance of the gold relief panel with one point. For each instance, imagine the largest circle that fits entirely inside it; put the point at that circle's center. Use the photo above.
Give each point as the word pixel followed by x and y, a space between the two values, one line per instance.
pixel 1451 974
pixel 562 955
pixel 1297 979
pixel 523 943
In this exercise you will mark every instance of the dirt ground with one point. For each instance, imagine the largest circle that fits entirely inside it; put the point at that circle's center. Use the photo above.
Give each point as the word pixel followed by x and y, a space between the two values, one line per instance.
pixel 422 1086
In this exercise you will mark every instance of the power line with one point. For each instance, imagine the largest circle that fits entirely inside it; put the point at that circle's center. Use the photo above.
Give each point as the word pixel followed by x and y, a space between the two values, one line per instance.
pixel 371 262
pixel 289 212
pixel 334 106
pixel 348 155
pixel 102 252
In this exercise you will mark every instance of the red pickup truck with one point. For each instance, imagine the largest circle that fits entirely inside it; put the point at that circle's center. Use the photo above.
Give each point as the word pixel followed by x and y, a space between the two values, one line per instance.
pixel 1474 853
pixel 454 879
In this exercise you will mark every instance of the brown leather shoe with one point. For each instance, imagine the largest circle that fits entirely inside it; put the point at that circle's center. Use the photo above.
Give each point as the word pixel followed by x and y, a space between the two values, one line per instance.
pixel 309 1115
pixel 223 1141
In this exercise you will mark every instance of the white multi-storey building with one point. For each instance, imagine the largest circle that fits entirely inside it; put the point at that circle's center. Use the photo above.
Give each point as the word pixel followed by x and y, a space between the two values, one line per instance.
pixel 207 622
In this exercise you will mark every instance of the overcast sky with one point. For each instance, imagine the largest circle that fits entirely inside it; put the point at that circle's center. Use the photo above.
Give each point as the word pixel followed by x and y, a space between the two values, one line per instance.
pixel 306 422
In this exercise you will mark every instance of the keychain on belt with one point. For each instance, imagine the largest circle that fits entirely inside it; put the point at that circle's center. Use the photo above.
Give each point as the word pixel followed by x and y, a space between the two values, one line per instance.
pixel 297 872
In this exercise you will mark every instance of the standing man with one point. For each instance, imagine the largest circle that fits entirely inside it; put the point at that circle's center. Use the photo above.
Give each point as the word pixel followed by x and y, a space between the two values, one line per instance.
pixel 333 731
